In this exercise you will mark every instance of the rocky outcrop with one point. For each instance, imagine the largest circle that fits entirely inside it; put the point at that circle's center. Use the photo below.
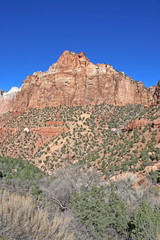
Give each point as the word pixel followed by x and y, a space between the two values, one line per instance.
pixel 7 99
pixel 157 93
pixel 1 93
pixel 49 131
pixel 142 123
pixel 138 123
pixel 5 105
pixel 54 123
pixel 74 80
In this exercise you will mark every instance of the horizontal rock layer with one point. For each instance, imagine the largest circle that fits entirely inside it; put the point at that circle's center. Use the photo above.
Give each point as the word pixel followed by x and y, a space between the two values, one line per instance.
pixel 49 131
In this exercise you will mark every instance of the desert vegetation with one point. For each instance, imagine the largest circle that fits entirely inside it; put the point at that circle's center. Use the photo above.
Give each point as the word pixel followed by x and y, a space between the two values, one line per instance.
pixel 93 136
pixel 84 173
pixel 20 219
pixel 74 203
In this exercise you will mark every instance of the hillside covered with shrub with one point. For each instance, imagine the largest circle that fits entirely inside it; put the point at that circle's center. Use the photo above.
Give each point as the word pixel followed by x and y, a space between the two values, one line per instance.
pixel 84 173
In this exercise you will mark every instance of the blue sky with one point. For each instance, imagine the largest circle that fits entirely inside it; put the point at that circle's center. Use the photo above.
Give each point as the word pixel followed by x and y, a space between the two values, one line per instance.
pixel 123 33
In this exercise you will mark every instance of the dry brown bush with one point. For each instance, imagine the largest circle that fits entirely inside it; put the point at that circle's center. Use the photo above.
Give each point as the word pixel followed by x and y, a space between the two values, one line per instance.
pixel 61 185
pixel 20 219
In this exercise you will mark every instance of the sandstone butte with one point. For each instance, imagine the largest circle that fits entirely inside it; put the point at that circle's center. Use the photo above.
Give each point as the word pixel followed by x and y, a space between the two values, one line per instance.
pixel 74 80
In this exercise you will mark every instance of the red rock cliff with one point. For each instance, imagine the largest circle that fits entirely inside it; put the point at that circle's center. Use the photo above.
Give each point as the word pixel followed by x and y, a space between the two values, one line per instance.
pixel 74 80
pixel 157 94
pixel 7 99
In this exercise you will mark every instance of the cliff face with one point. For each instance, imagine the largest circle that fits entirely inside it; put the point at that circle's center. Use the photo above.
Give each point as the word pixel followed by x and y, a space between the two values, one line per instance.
pixel 5 105
pixel 157 93
pixel 74 80
pixel 7 99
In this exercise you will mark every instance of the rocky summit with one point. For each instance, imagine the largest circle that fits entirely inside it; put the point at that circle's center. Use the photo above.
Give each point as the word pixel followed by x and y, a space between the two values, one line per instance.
pixel 75 81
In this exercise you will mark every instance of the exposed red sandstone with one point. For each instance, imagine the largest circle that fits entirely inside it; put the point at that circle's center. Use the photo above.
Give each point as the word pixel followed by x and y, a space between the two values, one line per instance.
pixel 49 131
pixel 15 114
pixel 4 132
pixel 138 123
pixel 5 105
pixel 156 95
pixel 57 115
pixel 143 123
pixel 53 123
pixel 74 80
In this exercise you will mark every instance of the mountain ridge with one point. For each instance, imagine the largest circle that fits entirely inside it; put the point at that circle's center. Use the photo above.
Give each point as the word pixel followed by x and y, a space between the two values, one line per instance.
pixel 75 81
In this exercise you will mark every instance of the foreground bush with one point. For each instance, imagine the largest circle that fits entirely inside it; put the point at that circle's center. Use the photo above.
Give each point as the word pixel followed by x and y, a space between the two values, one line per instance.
pixel 146 222
pixel 111 220
pixel 90 208
pixel 19 219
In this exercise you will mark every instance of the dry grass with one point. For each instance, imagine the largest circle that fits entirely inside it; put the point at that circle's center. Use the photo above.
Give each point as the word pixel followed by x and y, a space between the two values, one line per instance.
pixel 20 219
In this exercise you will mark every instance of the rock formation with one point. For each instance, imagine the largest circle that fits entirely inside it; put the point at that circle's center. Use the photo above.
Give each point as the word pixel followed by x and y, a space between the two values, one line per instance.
pixel 74 80
pixel 143 123
pixel 49 131
pixel 6 99
pixel 1 93
pixel 157 93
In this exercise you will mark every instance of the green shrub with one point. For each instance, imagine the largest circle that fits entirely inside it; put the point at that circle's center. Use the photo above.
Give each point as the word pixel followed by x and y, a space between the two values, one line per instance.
pixel 19 169
pixel 36 191
pixel 90 208
pixel 146 222
pixel 154 176
pixel 118 213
